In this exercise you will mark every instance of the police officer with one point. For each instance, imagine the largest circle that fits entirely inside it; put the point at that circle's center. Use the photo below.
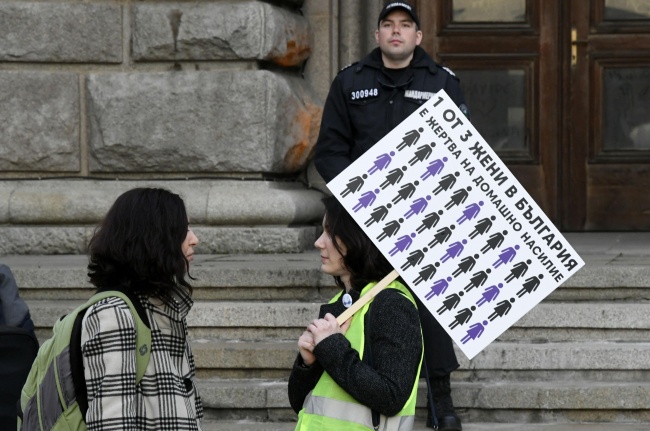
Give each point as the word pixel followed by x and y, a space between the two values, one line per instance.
pixel 366 101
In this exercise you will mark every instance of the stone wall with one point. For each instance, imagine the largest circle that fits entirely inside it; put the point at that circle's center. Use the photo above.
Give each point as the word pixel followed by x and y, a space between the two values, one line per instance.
pixel 130 87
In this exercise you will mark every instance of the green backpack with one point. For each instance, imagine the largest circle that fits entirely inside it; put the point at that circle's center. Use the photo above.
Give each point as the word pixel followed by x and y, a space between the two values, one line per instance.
pixel 54 396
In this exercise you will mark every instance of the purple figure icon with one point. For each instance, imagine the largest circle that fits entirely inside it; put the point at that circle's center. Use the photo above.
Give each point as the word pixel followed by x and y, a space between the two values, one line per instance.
pixel 450 302
pixel 483 226
pixel 429 221
pixel 454 250
pixel 458 197
pixel 518 269
pixel 434 168
pixel 506 255
pixel 442 235
pixel 393 177
pixel 381 162
pixel 422 153
pixel 465 265
pixel 410 138
pixel 414 258
pixel 438 288
pixel 530 285
pixel 405 192
pixel 501 309
pixel 390 229
pixel 474 332
pixel 489 294
pixel 494 241
pixel 470 212
pixel 477 280
pixel 354 185
pixel 378 214
pixel 418 206
pixel 446 183
pixel 462 317
pixel 366 200
pixel 426 273
pixel 403 243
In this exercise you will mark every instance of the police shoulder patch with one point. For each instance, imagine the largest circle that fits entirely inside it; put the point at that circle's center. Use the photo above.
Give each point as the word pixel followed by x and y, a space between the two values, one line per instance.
pixel 449 71
pixel 349 65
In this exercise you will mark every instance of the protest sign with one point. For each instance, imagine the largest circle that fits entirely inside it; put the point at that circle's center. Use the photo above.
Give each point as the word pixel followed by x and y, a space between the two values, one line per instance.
pixel 451 218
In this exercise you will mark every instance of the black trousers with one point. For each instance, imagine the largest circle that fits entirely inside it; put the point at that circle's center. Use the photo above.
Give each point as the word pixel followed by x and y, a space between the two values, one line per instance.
pixel 438 346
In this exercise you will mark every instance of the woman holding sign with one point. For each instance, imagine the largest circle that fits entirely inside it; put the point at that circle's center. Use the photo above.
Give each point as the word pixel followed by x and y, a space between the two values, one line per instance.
pixel 364 372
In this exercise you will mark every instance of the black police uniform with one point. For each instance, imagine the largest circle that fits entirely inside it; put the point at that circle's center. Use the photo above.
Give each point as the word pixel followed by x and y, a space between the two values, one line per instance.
pixel 363 105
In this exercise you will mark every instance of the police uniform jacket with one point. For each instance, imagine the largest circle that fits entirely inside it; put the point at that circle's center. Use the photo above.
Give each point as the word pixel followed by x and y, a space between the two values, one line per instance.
pixel 364 104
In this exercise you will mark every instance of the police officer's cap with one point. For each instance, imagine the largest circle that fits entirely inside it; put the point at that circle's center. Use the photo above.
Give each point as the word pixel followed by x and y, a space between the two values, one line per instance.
pixel 393 5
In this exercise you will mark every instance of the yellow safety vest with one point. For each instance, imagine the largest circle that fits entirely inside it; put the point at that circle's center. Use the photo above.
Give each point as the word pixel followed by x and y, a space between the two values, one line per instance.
pixel 329 408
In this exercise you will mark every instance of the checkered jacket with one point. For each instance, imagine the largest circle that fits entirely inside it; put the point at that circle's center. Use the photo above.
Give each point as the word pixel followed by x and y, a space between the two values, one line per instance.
pixel 167 397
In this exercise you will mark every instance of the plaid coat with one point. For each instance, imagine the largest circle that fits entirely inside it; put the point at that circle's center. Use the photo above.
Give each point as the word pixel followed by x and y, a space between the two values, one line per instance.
pixel 167 397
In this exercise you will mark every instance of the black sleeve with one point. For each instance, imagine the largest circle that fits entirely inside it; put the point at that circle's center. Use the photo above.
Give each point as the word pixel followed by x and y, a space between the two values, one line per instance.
pixel 332 154
pixel 301 381
pixel 396 346
pixel 452 88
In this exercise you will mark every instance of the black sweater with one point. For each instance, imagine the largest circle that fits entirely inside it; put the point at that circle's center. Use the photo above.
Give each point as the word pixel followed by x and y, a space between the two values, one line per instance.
pixel 396 343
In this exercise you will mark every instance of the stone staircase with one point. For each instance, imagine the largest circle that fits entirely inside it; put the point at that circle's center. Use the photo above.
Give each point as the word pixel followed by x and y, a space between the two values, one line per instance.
pixel 578 361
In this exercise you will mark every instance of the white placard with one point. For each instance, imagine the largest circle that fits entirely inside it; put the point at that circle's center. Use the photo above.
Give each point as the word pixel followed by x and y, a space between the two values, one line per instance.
pixel 456 224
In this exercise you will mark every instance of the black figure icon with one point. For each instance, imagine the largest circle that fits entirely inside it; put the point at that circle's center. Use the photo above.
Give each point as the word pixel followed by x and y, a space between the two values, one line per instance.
pixel 501 309
pixel 414 258
pixel 518 270
pixel 450 302
pixel 530 285
pixel 446 182
pixel 378 214
pixel 393 177
pixel 390 229
pixel 458 197
pixel 442 235
pixel 482 226
pixel 494 241
pixel 478 279
pixel 462 317
pixel 406 191
pixel 410 138
pixel 465 265
pixel 422 153
pixel 429 221
pixel 354 185
pixel 426 273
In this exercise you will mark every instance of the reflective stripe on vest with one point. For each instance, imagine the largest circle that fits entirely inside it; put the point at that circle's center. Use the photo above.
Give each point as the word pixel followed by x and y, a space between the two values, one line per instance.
pixel 354 413
pixel 329 407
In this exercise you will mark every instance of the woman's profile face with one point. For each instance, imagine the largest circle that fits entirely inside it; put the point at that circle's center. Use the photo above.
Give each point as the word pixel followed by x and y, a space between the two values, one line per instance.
pixel 188 245
pixel 331 259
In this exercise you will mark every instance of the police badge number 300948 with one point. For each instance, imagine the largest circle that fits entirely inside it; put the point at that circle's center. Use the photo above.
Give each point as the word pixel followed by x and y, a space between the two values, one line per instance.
pixel 364 94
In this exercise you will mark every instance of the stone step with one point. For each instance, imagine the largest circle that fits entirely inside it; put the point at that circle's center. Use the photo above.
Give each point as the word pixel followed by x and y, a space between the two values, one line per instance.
pixel 57 240
pixel 244 425
pixel 521 361
pixel 550 401
pixel 549 321
pixel 297 276
pixel 51 217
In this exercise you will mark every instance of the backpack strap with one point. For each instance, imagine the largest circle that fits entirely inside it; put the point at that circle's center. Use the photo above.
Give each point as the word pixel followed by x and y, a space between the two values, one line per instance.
pixel 143 340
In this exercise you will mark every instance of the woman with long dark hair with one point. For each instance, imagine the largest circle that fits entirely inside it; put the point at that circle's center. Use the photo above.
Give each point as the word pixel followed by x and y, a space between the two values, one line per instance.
pixel 363 373
pixel 143 246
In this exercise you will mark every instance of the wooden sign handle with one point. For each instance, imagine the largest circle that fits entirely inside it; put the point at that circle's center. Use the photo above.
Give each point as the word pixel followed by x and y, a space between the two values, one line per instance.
pixel 367 297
